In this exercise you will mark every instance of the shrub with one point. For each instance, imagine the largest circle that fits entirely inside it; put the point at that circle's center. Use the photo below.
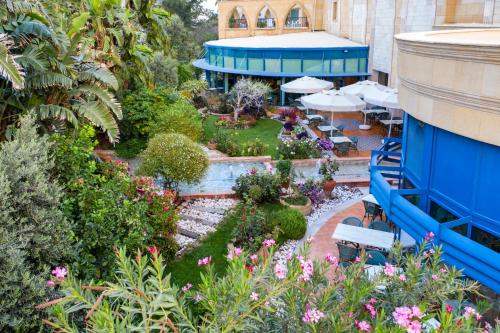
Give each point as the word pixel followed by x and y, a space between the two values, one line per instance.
pixel 251 227
pixel 179 117
pixel 284 168
pixel 291 222
pixel 227 144
pixel 164 69
pixel 298 149
pixel 313 190
pixel 255 193
pixel 297 199
pixel 328 169
pixel 130 148
pixel 270 185
pixel 175 158
pixel 254 148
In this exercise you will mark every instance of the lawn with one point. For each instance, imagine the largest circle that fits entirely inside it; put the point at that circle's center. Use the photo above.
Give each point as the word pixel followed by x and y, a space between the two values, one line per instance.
pixel 266 130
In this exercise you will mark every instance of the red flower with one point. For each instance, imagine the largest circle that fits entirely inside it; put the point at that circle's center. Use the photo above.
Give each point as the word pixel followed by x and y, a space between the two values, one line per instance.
pixel 449 308
pixel 153 250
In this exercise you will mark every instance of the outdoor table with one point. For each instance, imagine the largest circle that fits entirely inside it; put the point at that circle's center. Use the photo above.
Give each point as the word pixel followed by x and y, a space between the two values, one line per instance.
pixel 314 117
pixel 327 128
pixel 366 112
pixel 339 139
pixel 388 122
pixel 406 240
pixel 301 108
pixel 370 198
pixel 364 236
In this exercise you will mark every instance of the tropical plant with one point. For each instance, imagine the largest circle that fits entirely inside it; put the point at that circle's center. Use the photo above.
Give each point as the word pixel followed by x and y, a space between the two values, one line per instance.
pixel 328 169
pixel 284 167
pixel 175 158
pixel 164 70
pixel 247 93
pixel 179 117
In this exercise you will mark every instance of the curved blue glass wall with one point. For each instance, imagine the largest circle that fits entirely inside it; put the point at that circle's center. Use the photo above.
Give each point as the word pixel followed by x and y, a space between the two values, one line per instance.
pixel 456 183
pixel 289 62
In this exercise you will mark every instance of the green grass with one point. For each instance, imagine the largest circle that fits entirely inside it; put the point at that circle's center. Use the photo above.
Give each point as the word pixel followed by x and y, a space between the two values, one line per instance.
pixel 266 130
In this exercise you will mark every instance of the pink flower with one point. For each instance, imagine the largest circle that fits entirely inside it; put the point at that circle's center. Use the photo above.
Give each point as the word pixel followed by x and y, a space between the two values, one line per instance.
pixel 408 318
pixel 279 271
pixel 186 288
pixel 414 327
pixel 468 311
pixel 442 270
pixel 416 312
pixel 51 283
pixel 449 308
pixel 332 260
pixel 153 250
pixel 253 172
pixel 389 269
pixel 59 272
pixel 363 326
pixel 358 259
pixel 307 269
pixel 254 296
pixel 205 261
pixel 402 277
pixel 237 251
pixel 372 301
pixel 430 236
pixel 371 309
pixel 312 315
pixel 253 257
pixel 434 277
pixel 234 253
pixel 269 242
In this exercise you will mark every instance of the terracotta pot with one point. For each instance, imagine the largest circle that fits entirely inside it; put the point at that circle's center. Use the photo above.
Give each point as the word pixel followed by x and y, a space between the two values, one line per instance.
pixel 212 145
pixel 306 209
pixel 328 186
pixel 286 184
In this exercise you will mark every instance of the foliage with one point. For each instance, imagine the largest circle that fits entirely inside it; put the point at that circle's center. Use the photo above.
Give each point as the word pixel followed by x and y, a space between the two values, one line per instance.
pixel 174 157
pixel 247 93
pixel 251 228
pixel 140 107
pixel 180 117
pixel 164 70
pixel 254 148
pixel 130 148
pixel 328 169
pixel 185 73
pixel 226 143
pixel 260 295
pixel 34 235
pixel 291 222
pixel 193 88
pixel 284 167
pixel 183 45
pixel 297 199
pixel 270 185
pixel 298 149
pixel 312 189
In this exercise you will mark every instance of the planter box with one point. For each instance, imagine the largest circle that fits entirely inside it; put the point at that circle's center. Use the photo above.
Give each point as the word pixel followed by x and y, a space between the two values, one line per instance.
pixel 306 209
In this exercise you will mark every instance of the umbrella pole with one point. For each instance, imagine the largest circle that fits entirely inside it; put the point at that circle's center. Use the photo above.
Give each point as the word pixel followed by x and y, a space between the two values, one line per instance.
pixel 331 125
pixel 390 124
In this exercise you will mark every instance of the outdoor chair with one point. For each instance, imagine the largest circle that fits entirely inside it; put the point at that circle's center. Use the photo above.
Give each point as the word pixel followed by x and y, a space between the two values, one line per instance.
pixel 354 144
pixel 375 258
pixel 372 210
pixel 343 148
pixel 346 252
pixel 354 221
pixel 379 225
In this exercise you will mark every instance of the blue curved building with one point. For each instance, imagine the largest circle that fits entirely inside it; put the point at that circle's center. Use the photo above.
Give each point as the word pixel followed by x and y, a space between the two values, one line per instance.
pixel 447 165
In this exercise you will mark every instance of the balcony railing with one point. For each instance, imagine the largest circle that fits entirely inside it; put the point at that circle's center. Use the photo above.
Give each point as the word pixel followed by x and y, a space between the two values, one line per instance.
pixel 296 22
pixel 238 23
pixel 266 23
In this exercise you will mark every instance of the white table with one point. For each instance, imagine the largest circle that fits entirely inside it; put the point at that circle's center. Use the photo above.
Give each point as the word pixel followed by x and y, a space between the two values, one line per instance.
pixel 388 122
pixel 370 198
pixel 339 139
pixel 364 236
pixel 366 112
pixel 301 108
pixel 314 116
pixel 327 128
pixel 406 240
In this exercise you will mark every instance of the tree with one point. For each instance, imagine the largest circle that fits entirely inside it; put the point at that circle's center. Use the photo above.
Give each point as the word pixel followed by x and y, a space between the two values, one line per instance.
pixel 34 234
pixel 174 157
pixel 164 70
pixel 247 93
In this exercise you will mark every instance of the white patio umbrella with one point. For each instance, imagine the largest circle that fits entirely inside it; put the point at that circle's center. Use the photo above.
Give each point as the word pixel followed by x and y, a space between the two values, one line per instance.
pixel 333 101
pixel 388 98
pixel 306 85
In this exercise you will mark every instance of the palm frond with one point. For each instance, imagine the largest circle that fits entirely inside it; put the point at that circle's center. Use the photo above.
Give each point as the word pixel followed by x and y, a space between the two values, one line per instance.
pixel 34 28
pixel 100 116
pixel 101 74
pixel 9 68
pixel 49 79
pixel 51 111
pixel 33 57
pixel 78 23
pixel 104 96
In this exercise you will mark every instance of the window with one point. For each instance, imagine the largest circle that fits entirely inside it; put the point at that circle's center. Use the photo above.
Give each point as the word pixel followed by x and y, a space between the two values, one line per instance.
pixel 440 214
pixel 335 9
pixel 237 20
pixel 266 19
pixel 296 18
pixel 383 78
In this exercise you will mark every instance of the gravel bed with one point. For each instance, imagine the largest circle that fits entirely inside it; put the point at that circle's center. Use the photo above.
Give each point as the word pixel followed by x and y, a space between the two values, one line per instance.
pixel 183 241
pixel 195 227
pixel 211 217
pixel 284 252
pixel 340 194
pixel 214 203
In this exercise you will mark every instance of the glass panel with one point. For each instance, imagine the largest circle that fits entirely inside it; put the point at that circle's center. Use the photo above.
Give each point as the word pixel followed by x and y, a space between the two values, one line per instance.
pixel 313 66
pixel 213 59
pixel 485 238
pixel 362 64
pixel 337 66
pixel 228 62
pixel 291 65
pixel 351 65
pixel 255 64
pixel 241 63
pixel 440 214
pixel 326 66
pixel 218 60
pixel 273 65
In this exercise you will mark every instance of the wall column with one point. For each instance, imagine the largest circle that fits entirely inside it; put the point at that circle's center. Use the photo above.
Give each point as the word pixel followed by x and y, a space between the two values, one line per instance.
pixel 282 92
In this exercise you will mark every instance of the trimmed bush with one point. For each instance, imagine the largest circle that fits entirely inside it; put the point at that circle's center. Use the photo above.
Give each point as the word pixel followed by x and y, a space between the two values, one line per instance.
pixel 292 223
pixel 255 193
pixel 269 184
pixel 174 157
pixel 180 117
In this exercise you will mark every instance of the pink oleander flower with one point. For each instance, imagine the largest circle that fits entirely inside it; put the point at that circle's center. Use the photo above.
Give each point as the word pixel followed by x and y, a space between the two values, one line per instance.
pixel 51 283
pixel 434 277
pixel 237 251
pixel 307 269
pixel 253 257
pixel 312 315
pixel 364 326
pixel 59 273
pixel 414 327
pixel 408 318
pixel 234 253
pixel 449 308
pixel 372 301
pixel 186 288
pixel 269 242
pixel 430 236
pixel 332 260
pixel 254 296
pixel 389 269
pixel 402 277
pixel 198 298
pixel 469 311
pixel 279 271
pixel 205 261
pixel 371 309
pixel 153 250
pixel 442 270
pixel 358 259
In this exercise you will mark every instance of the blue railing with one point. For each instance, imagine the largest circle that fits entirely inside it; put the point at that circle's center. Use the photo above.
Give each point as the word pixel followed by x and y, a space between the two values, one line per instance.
pixel 477 261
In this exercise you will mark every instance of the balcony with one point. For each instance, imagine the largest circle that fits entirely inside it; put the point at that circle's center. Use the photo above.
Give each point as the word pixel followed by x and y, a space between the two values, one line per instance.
pixel 238 23
pixel 266 23
pixel 296 22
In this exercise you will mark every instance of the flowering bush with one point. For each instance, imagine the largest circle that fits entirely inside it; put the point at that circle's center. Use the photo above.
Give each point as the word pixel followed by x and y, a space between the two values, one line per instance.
pixel 328 169
pixel 269 184
pixel 251 228
pixel 298 149
pixel 325 145
pixel 312 189
pixel 260 295
pixel 290 114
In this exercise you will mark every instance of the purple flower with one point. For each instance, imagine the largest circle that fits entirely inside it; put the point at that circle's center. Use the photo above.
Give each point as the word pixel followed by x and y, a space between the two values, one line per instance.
pixel 288 126
pixel 325 144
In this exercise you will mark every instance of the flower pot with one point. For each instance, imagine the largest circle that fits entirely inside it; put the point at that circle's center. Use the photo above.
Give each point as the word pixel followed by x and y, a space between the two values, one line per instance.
pixel 306 209
pixel 328 187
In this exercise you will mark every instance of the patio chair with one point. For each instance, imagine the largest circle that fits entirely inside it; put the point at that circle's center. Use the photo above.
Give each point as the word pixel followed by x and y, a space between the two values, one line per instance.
pixel 343 148
pixel 375 258
pixel 379 225
pixel 354 221
pixel 346 252
pixel 372 210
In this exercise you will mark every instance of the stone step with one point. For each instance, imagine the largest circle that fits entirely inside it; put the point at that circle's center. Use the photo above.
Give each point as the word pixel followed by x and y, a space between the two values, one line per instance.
pixel 188 233
pixel 199 220
pixel 195 227
pixel 213 210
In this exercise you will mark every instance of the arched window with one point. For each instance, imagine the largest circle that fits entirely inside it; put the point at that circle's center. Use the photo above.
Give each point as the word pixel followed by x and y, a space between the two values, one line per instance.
pixel 266 19
pixel 238 20
pixel 296 18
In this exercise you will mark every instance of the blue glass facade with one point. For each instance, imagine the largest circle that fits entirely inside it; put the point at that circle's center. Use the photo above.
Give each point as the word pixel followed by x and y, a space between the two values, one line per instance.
pixel 449 184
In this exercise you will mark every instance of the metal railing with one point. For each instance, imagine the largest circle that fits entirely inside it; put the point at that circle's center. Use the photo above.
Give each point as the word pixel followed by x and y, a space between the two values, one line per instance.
pixel 238 23
pixel 266 23
pixel 296 22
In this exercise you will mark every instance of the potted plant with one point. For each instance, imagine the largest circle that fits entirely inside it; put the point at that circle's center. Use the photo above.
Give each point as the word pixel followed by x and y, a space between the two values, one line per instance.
pixel 328 170
pixel 297 201
pixel 284 168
